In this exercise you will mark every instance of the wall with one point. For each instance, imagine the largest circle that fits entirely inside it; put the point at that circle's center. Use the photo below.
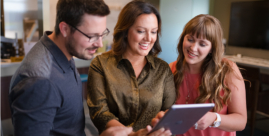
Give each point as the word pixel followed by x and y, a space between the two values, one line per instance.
pixel 49 14
pixel 175 14
pixel 15 11
pixel 115 7
pixel 222 12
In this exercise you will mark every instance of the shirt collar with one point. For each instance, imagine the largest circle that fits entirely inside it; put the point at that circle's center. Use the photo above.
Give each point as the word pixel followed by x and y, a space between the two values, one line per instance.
pixel 58 55
pixel 150 59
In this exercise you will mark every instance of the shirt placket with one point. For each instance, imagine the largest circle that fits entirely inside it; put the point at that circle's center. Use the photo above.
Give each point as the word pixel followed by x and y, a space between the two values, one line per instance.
pixel 135 92
pixel 73 69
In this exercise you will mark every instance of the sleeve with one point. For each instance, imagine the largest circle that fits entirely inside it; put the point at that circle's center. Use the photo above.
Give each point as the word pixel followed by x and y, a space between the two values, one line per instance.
pixel 34 103
pixel 96 96
pixel 172 66
pixel 170 94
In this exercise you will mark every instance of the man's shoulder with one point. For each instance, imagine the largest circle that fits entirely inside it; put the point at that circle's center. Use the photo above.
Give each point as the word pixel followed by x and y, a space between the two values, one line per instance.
pixel 38 62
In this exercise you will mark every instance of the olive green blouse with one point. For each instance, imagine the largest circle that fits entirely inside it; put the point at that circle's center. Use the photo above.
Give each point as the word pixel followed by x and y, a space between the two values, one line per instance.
pixel 114 92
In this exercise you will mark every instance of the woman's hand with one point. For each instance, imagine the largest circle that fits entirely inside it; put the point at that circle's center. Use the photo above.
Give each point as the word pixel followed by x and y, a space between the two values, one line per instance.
pixel 117 131
pixel 157 118
pixel 206 120
pixel 145 131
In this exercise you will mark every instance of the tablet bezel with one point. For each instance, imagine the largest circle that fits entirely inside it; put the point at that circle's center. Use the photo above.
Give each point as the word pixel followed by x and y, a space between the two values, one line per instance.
pixel 197 111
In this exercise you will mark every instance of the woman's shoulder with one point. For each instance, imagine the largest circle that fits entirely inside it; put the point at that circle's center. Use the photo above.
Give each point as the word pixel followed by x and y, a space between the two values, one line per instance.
pixel 226 60
pixel 160 62
pixel 105 55
pixel 102 57
pixel 230 63
pixel 172 64
pixel 234 70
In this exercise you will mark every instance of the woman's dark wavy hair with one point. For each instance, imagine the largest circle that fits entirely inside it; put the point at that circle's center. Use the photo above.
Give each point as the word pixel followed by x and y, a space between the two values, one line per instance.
pixel 71 11
pixel 126 19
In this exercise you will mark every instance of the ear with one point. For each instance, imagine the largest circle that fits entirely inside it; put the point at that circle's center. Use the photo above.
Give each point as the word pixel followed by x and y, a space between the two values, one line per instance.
pixel 64 28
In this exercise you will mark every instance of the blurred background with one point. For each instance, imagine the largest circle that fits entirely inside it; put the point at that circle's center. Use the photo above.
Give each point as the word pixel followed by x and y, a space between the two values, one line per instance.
pixel 246 37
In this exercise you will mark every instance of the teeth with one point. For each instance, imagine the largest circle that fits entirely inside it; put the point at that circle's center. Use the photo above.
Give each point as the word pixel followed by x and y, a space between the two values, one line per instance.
pixel 145 45
pixel 192 54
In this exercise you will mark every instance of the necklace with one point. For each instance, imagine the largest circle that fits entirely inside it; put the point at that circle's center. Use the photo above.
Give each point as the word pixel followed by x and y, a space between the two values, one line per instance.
pixel 188 87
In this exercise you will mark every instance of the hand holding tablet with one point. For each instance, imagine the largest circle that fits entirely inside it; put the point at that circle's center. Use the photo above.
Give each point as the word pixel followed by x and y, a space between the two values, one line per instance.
pixel 179 118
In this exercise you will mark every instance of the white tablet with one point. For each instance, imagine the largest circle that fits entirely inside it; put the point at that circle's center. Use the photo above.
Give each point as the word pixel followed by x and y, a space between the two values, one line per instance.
pixel 181 117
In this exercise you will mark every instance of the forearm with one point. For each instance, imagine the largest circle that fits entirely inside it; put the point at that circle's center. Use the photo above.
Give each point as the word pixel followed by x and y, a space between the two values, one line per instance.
pixel 113 123
pixel 236 118
pixel 101 116
pixel 233 122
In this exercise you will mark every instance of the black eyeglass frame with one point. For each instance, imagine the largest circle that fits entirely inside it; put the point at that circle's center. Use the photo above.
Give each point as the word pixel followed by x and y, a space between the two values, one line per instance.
pixel 91 37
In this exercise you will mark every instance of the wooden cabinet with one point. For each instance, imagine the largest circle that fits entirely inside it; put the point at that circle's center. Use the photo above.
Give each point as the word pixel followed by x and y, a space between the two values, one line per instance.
pixel 5 108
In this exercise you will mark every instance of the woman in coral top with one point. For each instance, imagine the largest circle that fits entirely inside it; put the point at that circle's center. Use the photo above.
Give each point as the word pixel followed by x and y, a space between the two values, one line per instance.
pixel 202 75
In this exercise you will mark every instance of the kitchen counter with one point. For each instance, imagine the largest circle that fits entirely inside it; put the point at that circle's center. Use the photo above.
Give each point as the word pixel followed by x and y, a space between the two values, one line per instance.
pixel 262 64
pixel 9 68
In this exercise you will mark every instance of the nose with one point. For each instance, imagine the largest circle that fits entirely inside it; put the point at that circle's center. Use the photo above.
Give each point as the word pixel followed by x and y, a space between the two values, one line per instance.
pixel 194 46
pixel 147 37
pixel 99 42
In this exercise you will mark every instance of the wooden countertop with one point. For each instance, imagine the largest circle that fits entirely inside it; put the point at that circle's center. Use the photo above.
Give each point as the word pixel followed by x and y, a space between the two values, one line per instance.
pixel 9 68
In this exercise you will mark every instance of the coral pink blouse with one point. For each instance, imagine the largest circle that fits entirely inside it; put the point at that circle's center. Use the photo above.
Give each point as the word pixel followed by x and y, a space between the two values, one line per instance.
pixel 190 86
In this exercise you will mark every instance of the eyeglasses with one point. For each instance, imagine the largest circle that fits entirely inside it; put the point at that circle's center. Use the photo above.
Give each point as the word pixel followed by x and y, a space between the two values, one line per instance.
pixel 96 37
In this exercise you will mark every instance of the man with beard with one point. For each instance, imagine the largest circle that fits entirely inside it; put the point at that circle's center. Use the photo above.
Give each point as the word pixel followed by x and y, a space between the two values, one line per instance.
pixel 46 90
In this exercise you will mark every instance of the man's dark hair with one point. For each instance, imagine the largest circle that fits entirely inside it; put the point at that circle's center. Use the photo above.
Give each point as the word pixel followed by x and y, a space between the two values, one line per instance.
pixel 71 11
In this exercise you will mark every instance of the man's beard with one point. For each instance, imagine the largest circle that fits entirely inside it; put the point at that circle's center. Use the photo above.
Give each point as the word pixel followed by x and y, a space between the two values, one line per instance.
pixel 71 48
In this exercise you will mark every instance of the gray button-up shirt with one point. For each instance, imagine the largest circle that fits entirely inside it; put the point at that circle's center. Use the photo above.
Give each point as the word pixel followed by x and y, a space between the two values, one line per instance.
pixel 46 93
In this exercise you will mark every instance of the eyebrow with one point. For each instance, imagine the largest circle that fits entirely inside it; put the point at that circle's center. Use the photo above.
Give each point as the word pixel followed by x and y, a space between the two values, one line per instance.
pixel 188 35
pixel 94 34
pixel 146 28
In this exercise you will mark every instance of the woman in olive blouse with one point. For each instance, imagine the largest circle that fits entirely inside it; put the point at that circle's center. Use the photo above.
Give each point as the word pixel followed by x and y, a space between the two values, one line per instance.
pixel 129 85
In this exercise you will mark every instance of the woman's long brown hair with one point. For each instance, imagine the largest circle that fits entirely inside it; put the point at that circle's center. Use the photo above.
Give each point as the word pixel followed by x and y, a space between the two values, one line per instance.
pixel 214 68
